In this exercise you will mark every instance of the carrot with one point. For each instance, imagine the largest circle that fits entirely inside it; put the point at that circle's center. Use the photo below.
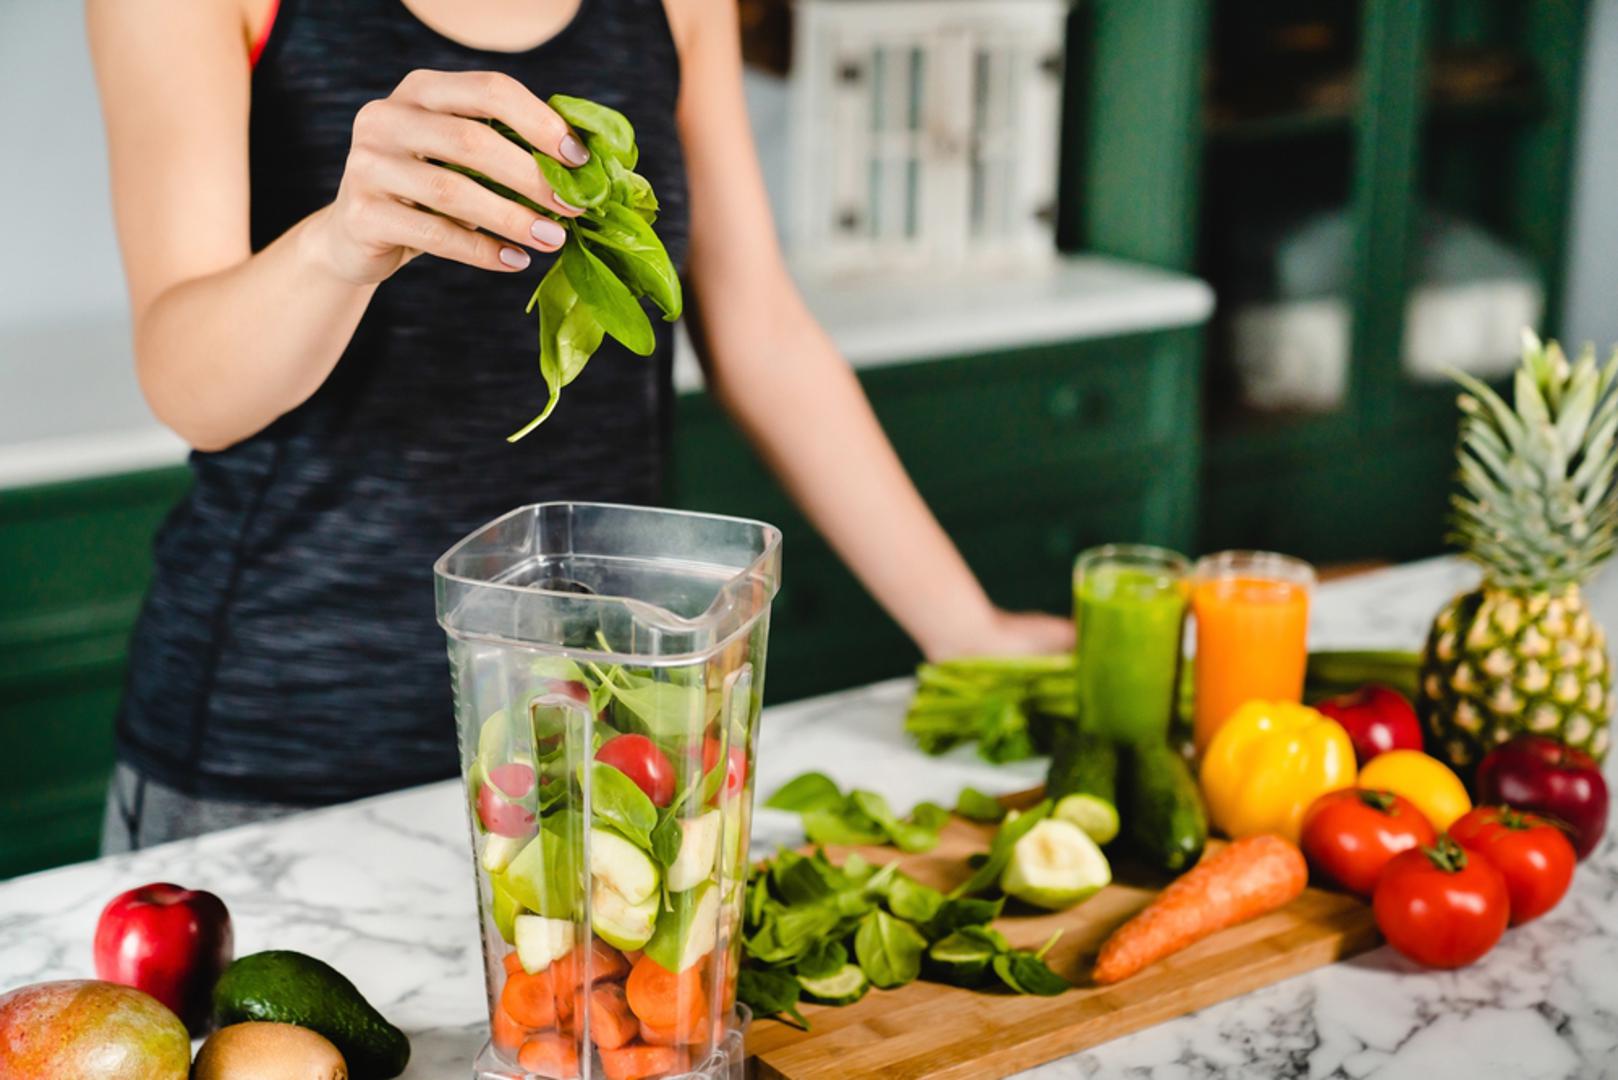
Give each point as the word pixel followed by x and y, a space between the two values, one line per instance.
pixel 632 956
pixel 1248 878
pixel 512 963
pixel 611 1023
pixel 641 1062
pixel 655 1036
pixel 606 964
pixel 550 1055
pixel 530 999
pixel 508 1035
pixel 674 1002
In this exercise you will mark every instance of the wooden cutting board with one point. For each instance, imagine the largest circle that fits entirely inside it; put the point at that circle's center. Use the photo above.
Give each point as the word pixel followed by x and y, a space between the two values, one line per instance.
pixel 928 1029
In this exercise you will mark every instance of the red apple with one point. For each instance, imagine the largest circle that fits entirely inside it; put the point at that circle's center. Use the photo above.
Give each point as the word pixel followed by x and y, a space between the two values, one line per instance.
pixel 1377 719
pixel 82 1029
pixel 1532 772
pixel 170 942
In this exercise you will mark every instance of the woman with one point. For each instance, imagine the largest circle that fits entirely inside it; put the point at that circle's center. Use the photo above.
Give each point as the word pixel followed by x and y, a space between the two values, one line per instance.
pixel 335 325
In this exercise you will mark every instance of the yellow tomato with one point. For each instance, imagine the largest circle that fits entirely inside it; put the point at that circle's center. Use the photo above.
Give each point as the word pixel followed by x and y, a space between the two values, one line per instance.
pixel 1429 783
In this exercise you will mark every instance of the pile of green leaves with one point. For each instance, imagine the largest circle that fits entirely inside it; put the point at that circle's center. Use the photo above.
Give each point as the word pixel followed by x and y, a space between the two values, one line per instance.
pixel 858 818
pixel 1003 704
pixel 806 918
pixel 612 257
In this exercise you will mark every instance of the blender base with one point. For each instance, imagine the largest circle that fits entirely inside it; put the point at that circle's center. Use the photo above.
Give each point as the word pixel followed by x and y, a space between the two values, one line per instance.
pixel 727 1062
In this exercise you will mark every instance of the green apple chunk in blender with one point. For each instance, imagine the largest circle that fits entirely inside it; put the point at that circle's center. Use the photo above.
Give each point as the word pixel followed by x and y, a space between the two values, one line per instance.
pixel 687 932
pixel 699 844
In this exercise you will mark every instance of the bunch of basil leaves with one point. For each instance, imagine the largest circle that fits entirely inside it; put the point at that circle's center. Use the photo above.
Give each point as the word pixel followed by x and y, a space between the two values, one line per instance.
pixel 611 258
pixel 860 817
pixel 805 918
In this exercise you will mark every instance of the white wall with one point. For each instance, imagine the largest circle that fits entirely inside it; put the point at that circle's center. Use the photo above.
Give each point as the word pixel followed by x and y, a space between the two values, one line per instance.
pixel 1591 311
pixel 60 258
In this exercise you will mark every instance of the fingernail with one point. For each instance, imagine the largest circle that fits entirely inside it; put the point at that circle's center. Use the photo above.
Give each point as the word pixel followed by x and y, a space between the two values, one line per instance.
pixel 573 151
pixel 548 232
pixel 516 258
pixel 565 205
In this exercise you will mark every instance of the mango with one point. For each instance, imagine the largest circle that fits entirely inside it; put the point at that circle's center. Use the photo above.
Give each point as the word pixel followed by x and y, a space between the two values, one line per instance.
pixel 85 1028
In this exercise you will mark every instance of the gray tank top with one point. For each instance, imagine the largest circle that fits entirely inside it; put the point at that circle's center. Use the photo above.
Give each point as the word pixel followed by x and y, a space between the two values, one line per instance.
pixel 287 650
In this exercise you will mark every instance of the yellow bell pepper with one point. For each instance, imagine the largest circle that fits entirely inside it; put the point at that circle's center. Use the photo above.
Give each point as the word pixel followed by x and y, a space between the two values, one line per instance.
pixel 1268 762
pixel 1437 792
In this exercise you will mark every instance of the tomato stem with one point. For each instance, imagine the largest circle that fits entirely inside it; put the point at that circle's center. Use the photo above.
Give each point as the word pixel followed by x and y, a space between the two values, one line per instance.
pixel 1446 855
pixel 1377 800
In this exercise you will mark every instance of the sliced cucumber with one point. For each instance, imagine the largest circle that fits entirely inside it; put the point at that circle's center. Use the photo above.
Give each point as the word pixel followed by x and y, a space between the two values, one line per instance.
pixel 687 932
pixel 541 941
pixel 844 986
pixel 961 958
pixel 618 922
pixel 1054 866
pixel 626 869
pixel 1097 817
pixel 699 843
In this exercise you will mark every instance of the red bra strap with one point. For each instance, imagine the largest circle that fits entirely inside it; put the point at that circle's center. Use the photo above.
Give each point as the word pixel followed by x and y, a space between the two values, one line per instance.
pixel 264 34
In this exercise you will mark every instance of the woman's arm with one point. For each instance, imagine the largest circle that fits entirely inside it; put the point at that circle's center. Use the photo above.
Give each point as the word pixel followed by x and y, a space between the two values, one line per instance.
pixel 227 340
pixel 783 382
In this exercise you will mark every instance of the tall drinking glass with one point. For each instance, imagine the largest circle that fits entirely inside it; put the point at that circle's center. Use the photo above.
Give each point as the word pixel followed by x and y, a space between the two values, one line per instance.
pixel 1129 604
pixel 1252 615
pixel 608 664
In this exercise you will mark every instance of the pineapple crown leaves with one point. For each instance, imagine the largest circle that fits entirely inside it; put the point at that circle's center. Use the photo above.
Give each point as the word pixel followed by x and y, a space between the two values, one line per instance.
pixel 1538 506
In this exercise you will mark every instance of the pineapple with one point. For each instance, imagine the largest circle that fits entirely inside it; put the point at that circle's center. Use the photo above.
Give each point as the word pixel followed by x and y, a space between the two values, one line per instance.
pixel 1538 511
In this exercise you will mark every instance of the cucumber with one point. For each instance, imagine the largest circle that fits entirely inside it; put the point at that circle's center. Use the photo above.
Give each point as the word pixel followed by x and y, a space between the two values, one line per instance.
pixel 963 957
pixel 1339 671
pixel 1168 823
pixel 844 986
pixel 1085 764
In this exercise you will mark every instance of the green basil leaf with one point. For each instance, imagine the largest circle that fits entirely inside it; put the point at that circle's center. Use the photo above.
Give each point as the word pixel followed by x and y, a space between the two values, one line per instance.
pixel 619 801
pixel 913 901
pixel 633 191
pixel 769 993
pixel 810 791
pixel 584 186
pixel 627 244
pixel 889 949
pixel 824 958
pixel 666 840
pixel 611 126
pixel 973 805
pixel 959 914
pixel 988 875
pixel 841 827
pixel 1025 973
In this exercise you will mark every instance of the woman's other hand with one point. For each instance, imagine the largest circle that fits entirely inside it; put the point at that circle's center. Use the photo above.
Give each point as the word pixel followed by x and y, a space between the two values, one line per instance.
pixel 394 204
pixel 1008 633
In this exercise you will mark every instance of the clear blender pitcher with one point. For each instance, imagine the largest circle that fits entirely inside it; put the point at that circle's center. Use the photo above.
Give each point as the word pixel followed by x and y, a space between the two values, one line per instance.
pixel 608 666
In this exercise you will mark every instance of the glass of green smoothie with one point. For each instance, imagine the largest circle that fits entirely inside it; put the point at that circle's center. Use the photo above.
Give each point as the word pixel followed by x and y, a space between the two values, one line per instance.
pixel 1129 604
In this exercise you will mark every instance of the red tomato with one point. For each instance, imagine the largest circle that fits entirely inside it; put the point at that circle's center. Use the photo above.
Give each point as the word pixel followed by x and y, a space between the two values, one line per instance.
pixel 639 758
pixel 1442 906
pixel 1534 856
pixel 735 769
pixel 1352 834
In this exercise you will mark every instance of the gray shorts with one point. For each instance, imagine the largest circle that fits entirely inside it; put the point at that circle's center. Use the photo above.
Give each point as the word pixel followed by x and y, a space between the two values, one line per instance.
pixel 142 812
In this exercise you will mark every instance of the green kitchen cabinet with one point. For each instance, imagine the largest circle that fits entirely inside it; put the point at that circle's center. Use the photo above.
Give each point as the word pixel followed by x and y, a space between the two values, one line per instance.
pixel 1166 163
pixel 77 558
pixel 1026 456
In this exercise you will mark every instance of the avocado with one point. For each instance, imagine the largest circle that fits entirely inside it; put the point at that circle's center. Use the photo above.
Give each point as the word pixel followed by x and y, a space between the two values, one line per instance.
pixel 687 932
pixel 291 988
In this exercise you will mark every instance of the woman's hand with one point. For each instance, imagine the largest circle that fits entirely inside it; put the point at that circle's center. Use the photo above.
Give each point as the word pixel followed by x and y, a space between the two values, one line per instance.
pixel 393 204
pixel 1007 633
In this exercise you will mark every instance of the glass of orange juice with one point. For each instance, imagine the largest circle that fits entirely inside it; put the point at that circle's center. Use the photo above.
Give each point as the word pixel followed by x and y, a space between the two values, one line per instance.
pixel 1252 614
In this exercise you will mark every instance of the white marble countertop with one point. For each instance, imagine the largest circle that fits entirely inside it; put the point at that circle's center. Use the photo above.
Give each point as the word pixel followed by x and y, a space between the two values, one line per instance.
pixel 70 407
pixel 382 889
